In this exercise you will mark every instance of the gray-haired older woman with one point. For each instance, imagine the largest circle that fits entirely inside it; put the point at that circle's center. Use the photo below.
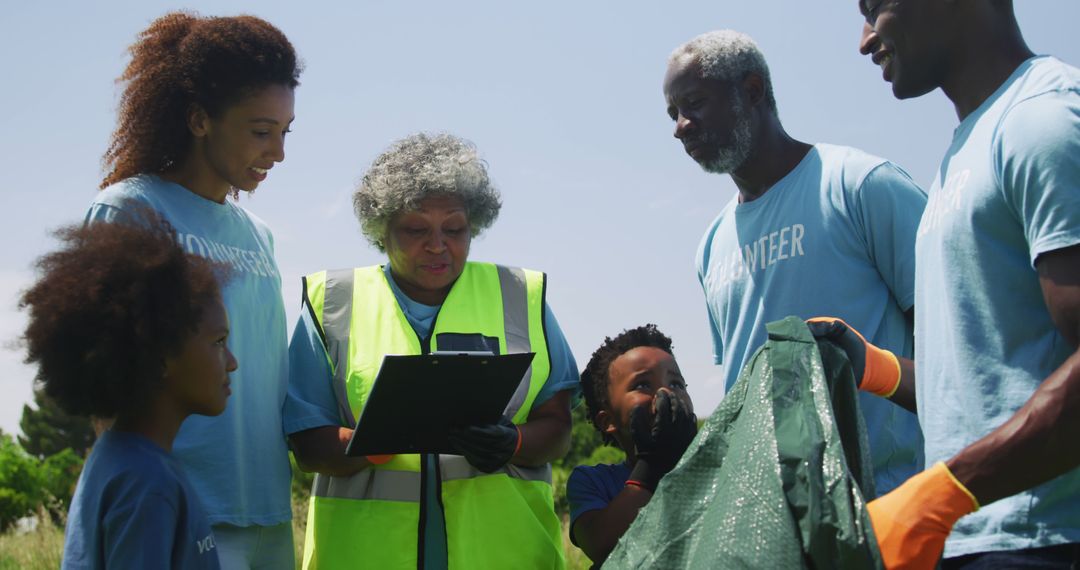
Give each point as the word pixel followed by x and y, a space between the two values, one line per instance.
pixel 421 202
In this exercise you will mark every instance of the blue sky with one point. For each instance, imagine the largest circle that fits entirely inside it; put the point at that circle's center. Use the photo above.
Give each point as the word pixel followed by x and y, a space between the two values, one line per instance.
pixel 563 100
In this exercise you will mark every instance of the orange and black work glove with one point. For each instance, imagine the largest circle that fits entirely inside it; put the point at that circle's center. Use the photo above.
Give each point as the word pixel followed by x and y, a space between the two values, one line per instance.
pixel 487 447
pixel 876 369
pixel 660 437
pixel 912 522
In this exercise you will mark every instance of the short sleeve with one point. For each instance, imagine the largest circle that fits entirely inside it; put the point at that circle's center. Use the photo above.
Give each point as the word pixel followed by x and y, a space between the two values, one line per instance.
pixel 107 213
pixel 310 400
pixel 143 533
pixel 126 210
pixel 718 342
pixel 585 491
pixel 701 261
pixel 1037 153
pixel 564 372
pixel 890 206
pixel 714 331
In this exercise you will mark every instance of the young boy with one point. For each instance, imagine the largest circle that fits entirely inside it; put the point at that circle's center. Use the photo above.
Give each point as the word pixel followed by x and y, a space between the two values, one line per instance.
pixel 124 324
pixel 637 399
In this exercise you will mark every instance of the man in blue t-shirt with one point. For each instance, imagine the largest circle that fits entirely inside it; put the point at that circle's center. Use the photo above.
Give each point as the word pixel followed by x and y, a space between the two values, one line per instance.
pixel 814 229
pixel 997 373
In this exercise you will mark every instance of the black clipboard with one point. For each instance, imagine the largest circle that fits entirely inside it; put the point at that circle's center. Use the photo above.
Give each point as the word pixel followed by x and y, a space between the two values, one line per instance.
pixel 416 399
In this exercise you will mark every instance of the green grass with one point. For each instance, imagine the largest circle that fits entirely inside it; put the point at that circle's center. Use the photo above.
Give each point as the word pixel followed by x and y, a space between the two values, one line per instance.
pixel 299 526
pixel 43 548
pixel 39 549
pixel 575 558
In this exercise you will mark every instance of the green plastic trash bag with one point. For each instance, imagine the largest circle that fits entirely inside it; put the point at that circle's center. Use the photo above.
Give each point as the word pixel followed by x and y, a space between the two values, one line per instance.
pixel 776 476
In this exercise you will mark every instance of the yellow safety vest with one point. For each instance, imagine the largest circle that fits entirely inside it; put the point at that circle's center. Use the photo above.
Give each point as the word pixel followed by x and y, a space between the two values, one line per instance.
pixel 374 519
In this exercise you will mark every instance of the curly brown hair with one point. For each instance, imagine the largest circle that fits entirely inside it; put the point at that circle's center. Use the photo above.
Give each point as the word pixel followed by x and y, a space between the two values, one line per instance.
pixel 596 376
pixel 110 305
pixel 183 59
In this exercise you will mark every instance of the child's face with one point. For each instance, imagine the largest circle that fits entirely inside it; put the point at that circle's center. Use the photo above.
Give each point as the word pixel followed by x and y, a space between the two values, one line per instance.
pixel 197 377
pixel 634 378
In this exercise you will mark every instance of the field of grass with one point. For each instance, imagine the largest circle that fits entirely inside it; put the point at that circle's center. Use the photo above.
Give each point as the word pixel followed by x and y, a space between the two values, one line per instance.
pixel 38 549
pixel 41 549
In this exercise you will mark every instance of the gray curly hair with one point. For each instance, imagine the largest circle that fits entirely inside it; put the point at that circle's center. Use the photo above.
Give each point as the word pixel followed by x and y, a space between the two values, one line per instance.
pixel 727 55
pixel 419 166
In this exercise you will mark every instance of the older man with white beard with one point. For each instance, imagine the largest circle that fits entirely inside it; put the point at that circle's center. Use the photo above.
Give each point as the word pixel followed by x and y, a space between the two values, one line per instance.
pixel 814 229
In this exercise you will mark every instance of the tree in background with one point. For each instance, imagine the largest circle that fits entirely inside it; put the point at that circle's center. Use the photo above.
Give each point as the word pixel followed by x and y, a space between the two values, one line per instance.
pixel 47 430
pixel 586 445
pixel 59 473
pixel 40 470
pixel 586 448
pixel 22 487
pixel 29 485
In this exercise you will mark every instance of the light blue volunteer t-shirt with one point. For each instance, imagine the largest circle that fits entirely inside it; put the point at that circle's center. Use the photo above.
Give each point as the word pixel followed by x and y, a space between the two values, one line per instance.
pixel 238 462
pixel 835 237
pixel 1007 191
pixel 134 508
pixel 311 401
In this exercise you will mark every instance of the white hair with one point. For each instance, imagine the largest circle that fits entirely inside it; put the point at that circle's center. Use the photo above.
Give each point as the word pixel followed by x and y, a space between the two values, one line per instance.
pixel 419 166
pixel 726 55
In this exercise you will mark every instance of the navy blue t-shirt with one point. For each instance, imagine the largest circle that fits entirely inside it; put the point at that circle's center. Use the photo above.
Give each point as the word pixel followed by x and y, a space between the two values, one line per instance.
pixel 134 508
pixel 593 487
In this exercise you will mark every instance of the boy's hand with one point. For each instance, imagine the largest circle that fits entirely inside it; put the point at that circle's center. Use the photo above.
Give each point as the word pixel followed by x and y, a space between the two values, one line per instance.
pixel 660 437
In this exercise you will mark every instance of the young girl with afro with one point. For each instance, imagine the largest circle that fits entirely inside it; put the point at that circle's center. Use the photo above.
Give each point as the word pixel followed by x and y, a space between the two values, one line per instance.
pixel 125 324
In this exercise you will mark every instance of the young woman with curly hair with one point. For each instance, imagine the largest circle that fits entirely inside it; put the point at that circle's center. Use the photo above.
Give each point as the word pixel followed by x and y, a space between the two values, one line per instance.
pixel 206 104
pixel 125 324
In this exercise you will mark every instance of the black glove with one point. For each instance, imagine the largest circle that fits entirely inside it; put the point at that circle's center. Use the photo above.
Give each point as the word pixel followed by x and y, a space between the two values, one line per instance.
pixel 660 438
pixel 843 336
pixel 876 370
pixel 486 447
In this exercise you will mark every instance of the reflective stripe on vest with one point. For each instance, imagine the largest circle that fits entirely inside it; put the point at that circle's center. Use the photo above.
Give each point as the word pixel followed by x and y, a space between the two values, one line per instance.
pixel 456 467
pixel 337 318
pixel 385 485
pixel 372 484
pixel 516 324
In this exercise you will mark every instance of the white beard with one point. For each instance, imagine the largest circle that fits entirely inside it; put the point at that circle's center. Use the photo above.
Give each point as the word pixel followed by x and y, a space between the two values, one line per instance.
pixel 731 156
